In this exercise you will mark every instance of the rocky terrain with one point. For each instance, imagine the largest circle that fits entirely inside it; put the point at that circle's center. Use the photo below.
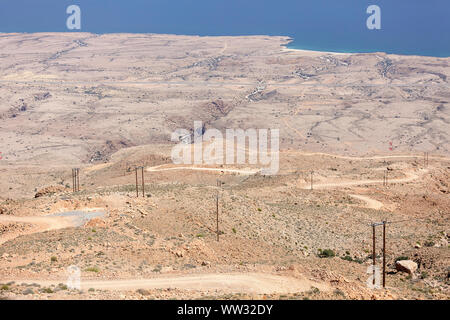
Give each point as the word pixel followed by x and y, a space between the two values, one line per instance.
pixel 109 103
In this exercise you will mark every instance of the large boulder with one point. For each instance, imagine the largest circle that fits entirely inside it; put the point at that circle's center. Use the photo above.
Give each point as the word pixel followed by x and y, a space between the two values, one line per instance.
pixel 408 266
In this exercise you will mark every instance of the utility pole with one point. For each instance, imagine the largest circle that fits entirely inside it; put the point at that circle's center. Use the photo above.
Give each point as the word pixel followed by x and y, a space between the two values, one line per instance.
pixel 384 254
pixel 217 215
pixel 383 223
pixel 143 182
pixel 373 252
pixel 219 184
pixel 76 179
pixel 137 187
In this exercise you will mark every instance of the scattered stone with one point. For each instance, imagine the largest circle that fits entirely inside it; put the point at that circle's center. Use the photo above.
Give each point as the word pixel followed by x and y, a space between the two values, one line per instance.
pixel 179 253
pixel 142 212
pixel 408 266
pixel 28 291
pixel 49 191
pixel 143 292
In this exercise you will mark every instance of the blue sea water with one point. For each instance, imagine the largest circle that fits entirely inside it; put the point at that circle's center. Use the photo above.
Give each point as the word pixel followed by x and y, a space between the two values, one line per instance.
pixel 420 27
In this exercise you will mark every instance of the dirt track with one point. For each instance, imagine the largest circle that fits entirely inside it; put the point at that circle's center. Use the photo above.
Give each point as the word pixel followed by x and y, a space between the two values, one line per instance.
pixel 40 224
pixel 220 170
pixel 256 283
pixel 410 176
pixel 371 203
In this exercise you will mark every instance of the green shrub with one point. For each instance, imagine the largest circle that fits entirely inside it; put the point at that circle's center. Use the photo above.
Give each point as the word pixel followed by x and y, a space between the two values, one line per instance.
pixel 339 293
pixel 327 253
pixel 401 258
pixel 429 243
pixel 4 287
pixel 347 258
pixel 313 290
pixel 53 259
pixel 93 269
pixel 158 268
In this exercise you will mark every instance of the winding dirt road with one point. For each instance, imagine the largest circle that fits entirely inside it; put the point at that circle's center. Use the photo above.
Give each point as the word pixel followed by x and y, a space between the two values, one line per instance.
pixel 410 176
pixel 370 203
pixel 49 222
pixel 238 171
pixel 40 224
pixel 398 156
pixel 256 283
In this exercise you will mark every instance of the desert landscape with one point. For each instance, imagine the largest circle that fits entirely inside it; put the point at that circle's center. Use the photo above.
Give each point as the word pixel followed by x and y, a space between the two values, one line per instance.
pixel 364 138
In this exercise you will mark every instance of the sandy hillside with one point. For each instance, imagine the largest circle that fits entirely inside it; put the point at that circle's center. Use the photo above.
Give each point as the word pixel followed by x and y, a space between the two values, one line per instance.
pixel 109 103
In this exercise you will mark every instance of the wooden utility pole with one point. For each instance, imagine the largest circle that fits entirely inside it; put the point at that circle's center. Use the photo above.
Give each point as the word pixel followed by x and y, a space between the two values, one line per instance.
pixel 384 254
pixel 217 215
pixel 143 182
pixel 137 187
pixel 219 184
pixel 373 252
pixel 76 179
pixel 383 223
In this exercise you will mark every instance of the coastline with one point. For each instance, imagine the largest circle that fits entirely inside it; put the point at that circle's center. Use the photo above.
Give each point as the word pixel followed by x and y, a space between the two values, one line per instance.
pixel 289 47
pixel 287 44
pixel 306 51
